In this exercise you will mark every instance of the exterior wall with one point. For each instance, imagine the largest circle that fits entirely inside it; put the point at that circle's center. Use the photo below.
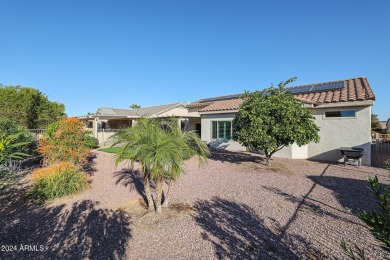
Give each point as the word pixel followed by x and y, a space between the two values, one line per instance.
pixel 193 121
pixel 342 132
pixel 299 152
pixel 177 112
pixel 206 132
pixel 194 111
pixel 383 124
pixel 388 125
pixel 118 123
pixel 286 152
pixel 103 137
pixel 334 133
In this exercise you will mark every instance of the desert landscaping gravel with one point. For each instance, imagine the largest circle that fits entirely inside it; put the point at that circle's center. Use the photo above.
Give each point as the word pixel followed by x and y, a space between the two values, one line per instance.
pixel 235 208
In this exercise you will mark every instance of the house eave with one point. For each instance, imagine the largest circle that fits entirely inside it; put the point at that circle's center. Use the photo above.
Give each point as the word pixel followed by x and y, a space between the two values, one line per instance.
pixel 219 112
pixel 346 104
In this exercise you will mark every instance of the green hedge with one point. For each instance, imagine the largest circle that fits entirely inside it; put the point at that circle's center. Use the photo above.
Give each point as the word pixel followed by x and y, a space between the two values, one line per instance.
pixel 91 142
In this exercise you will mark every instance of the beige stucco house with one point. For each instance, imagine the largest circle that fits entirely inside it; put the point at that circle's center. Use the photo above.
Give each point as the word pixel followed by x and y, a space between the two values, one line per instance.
pixel 106 121
pixel 342 110
pixel 382 124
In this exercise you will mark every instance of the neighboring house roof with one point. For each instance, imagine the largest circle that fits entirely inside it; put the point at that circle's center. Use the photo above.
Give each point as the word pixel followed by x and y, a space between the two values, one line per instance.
pixel 354 89
pixel 103 111
pixel 155 110
pixel 145 111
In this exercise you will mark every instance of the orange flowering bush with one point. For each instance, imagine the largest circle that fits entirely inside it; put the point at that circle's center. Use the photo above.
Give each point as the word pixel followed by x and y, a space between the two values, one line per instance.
pixel 65 143
pixel 58 180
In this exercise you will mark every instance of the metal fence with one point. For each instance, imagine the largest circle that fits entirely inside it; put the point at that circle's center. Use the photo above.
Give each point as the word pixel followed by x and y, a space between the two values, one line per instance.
pixel 102 130
pixel 37 132
pixel 380 150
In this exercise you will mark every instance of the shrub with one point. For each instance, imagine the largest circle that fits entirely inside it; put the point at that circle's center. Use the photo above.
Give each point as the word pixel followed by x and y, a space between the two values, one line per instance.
pixel 58 180
pixel 8 127
pixel 52 128
pixel 65 143
pixel 378 220
pixel 9 147
pixel 91 142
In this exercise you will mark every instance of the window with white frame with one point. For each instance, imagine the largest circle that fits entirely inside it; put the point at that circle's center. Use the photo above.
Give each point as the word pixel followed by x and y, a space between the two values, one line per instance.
pixel 222 130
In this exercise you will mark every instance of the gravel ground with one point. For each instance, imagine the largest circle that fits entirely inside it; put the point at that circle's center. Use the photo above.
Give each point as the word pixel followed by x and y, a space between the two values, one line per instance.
pixel 241 210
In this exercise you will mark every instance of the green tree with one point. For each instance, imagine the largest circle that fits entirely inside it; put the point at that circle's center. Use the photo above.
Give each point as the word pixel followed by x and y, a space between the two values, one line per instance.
pixel 375 126
pixel 28 107
pixel 271 119
pixel 135 106
pixel 160 151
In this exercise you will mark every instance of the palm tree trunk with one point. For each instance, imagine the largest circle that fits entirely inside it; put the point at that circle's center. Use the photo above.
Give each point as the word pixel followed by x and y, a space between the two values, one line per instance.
pixel 168 196
pixel 159 195
pixel 148 193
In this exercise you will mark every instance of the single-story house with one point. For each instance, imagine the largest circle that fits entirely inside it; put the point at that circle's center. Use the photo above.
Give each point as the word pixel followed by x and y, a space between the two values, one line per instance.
pixel 342 110
pixel 106 121
pixel 382 124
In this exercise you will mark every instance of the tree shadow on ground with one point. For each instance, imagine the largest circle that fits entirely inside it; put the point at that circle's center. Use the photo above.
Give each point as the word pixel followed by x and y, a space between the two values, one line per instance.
pixel 237 232
pixel 133 179
pixel 91 164
pixel 79 231
pixel 353 194
pixel 234 157
pixel 316 207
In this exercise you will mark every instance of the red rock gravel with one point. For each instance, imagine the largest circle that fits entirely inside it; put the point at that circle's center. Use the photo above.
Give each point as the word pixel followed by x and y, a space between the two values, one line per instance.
pixel 242 210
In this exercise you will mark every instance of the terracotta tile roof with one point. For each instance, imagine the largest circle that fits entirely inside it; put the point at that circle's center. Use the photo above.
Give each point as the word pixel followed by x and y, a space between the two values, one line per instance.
pixel 228 104
pixel 354 89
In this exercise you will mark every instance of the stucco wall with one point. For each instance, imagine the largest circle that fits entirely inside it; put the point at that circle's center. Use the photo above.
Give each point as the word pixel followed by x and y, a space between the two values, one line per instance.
pixel 194 111
pixel 206 132
pixel 103 137
pixel 178 111
pixel 193 122
pixel 342 132
pixel 334 133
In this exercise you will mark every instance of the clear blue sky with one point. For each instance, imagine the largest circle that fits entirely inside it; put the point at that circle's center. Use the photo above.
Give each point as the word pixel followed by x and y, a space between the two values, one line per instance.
pixel 90 54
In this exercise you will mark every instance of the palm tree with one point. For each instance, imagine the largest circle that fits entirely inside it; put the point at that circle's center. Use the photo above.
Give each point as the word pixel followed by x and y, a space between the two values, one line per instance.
pixel 190 145
pixel 161 149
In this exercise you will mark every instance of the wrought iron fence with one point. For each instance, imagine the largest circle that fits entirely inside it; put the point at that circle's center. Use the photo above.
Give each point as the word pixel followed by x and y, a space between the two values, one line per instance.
pixel 37 132
pixel 102 130
pixel 380 150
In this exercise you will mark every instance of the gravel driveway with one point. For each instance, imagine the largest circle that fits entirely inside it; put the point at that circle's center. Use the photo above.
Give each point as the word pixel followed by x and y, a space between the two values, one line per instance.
pixel 241 210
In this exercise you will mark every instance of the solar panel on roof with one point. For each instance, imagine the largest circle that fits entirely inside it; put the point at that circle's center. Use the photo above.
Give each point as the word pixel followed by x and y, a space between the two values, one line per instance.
pixel 220 98
pixel 296 90
pixel 317 87
pixel 293 90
